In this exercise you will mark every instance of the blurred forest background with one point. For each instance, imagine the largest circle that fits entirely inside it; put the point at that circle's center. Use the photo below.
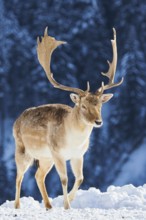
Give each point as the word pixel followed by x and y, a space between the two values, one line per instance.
pixel 117 153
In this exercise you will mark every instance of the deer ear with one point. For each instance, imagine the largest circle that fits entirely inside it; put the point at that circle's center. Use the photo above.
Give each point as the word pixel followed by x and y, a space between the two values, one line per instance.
pixel 75 98
pixel 106 97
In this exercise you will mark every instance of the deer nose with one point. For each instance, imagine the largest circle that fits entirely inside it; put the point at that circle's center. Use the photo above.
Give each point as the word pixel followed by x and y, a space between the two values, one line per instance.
pixel 98 122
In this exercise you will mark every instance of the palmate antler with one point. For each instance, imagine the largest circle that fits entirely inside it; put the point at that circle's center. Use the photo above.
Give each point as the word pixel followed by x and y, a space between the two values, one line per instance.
pixel 112 69
pixel 45 49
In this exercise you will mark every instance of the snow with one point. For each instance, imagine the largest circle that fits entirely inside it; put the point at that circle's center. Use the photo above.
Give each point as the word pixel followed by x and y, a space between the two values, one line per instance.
pixel 118 203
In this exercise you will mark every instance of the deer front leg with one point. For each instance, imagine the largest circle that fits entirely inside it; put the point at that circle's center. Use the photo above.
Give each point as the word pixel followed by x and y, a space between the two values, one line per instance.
pixel 77 168
pixel 60 165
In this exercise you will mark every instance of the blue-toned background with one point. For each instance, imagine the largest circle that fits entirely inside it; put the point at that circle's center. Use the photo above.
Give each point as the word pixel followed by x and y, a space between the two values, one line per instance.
pixel 117 153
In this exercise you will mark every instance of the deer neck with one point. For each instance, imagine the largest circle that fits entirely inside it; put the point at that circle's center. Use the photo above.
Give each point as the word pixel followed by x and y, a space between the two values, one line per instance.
pixel 77 122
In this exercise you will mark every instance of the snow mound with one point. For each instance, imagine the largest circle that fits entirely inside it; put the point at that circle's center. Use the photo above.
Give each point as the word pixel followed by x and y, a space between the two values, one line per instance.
pixel 127 202
pixel 115 198
pixel 25 203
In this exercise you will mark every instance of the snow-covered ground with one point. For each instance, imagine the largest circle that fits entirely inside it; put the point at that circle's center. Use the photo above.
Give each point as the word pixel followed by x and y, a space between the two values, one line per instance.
pixel 118 203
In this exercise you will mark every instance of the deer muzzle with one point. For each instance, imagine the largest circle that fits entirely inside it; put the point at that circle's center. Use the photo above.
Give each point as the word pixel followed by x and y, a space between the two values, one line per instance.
pixel 98 123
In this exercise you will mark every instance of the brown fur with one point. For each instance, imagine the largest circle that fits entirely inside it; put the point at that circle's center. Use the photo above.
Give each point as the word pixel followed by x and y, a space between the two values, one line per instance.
pixel 53 134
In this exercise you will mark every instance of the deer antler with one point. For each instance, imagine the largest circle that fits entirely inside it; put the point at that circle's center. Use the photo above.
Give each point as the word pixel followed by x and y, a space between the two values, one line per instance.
pixel 112 69
pixel 45 49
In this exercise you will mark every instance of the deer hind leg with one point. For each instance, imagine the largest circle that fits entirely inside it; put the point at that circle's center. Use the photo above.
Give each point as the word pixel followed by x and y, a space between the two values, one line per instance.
pixel 60 165
pixel 77 168
pixel 45 166
pixel 23 162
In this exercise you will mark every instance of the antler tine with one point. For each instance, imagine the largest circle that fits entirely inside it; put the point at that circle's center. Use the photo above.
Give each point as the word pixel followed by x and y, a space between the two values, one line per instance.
pixel 38 40
pixel 45 49
pixel 109 86
pixel 112 67
pixel 46 31
pixel 88 87
pixel 101 89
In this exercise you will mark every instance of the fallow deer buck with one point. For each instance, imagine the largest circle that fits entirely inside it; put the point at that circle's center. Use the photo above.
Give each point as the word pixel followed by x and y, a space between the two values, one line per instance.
pixel 55 133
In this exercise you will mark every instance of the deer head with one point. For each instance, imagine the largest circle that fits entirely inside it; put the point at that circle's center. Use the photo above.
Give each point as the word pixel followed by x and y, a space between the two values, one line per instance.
pixel 88 104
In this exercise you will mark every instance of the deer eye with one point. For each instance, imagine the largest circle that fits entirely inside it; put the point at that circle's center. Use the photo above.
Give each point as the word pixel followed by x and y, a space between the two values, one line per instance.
pixel 84 107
